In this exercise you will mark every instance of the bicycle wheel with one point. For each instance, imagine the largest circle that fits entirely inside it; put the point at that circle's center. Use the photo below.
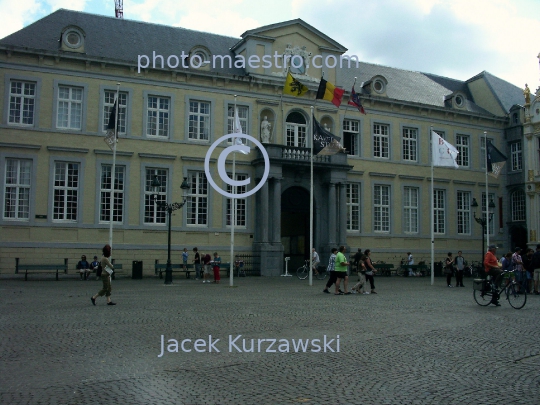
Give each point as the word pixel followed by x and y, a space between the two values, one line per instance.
pixel 516 299
pixel 302 272
pixel 482 298
pixel 321 275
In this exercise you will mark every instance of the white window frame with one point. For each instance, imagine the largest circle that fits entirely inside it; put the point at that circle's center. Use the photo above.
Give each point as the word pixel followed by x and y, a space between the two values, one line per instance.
pixel 439 211
pixel 17 189
pixel 108 104
pixel 70 106
pixel 241 218
pixel 153 215
pixel 410 209
pixel 22 107
pixel 296 133
pixel 381 141
pixel 463 143
pixel 351 135
pixel 62 192
pixel 517 156
pixel 517 206
pixel 353 207
pixel 197 206
pixel 105 193
pixel 381 208
pixel 199 122
pixel 409 138
pixel 464 212
pixel 158 116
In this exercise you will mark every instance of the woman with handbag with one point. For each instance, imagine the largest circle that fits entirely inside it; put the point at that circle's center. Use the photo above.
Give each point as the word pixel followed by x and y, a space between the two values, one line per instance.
pixel 449 269
pixel 108 269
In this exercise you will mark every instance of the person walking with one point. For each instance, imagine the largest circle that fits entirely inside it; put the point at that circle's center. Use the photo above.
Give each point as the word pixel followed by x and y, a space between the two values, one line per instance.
pixel 197 263
pixel 410 262
pixel 370 270
pixel 535 265
pixel 459 265
pixel 108 269
pixel 185 256
pixel 331 269
pixel 449 269
pixel 341 272
pixel 315 261
pixel 519 271
pixel 207 268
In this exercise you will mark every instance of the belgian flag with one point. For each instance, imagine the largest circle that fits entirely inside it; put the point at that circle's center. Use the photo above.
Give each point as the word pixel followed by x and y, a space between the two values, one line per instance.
pixel 327 91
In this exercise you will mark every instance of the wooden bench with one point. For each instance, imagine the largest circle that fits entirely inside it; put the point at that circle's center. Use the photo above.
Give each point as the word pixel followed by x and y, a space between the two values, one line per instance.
pixel 385 269
pixel 160 268
pixel 49 268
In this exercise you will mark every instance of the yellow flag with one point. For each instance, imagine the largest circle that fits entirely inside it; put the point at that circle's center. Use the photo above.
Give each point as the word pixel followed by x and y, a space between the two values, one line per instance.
pixel 294 87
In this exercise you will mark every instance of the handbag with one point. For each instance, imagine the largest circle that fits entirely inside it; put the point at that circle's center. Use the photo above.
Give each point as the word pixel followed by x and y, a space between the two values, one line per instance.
pixel 109 270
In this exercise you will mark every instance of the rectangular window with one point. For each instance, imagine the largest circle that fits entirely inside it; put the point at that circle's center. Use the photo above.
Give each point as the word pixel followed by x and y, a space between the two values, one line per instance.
pixel 105 194
pixel 22 100
pixel 17 189
pixel 122 110
pixel 517 161
pixel 242 115
pixel 381 141
pixel 353 207
pixel 517 201
pixel 410 139
pixel 462 145
pixel 153 214
pixel 351 136
pixel 66 191
pixel 464 212
pixel 410 209
pixel 199 120
pixel 197 202
pixel 492 220
pixel 439 198
pixel 296 135
pixel 157 111
pixel 70 101
pixel 381 208
pixel 240 203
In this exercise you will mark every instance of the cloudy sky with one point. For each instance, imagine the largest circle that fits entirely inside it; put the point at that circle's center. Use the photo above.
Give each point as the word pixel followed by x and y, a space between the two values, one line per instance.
pixel 453 38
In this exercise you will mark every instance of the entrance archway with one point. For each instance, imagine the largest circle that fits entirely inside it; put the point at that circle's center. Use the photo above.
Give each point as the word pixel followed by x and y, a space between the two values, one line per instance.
pixel 295 225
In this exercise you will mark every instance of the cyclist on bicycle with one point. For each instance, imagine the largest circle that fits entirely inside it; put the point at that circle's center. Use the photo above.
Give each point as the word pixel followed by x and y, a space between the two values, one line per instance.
pixel 491 266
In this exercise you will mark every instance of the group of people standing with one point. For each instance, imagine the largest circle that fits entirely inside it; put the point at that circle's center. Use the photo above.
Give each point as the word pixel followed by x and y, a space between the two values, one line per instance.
pixel 338 267
pixel 209 265
pixel 454 266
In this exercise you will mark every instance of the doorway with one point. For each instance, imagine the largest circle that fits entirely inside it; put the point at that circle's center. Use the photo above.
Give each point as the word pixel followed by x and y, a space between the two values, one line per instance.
pixel 295 226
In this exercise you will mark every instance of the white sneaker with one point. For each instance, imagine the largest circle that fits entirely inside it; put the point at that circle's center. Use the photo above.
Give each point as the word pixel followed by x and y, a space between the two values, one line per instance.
pixel 366 293
pixel 204 281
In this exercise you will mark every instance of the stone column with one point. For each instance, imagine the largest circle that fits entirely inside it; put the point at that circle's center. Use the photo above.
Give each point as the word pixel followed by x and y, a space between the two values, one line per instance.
pixel 332 214
pixel 264 213
pixel 342 215
pixel 276 211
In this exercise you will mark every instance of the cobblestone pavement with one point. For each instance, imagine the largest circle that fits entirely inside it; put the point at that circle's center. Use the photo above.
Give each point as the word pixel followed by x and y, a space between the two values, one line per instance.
pixel 413 343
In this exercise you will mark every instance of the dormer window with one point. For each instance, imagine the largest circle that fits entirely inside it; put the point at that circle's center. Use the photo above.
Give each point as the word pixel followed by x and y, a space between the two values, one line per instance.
pixel 459 101
pixel 73 39
pixel 378 85
pixel 199 58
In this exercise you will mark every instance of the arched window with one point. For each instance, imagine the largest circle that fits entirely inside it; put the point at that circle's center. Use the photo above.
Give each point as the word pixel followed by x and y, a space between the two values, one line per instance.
pixel 296 130
pixel 517 201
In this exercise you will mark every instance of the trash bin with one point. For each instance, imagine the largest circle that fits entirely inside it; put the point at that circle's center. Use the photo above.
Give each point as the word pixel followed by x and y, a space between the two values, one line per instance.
pixel 438 269
pixel 136 269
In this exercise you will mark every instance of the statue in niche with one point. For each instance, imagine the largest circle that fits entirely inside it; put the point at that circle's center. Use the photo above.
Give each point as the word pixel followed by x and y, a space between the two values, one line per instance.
pixel 265 130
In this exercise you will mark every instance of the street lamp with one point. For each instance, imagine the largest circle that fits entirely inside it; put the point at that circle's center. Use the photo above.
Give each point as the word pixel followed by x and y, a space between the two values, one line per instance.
pixel 483 221
pixel 156 185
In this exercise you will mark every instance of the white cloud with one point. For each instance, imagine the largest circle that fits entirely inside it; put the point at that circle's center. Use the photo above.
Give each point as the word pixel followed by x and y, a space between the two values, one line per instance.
pixel 15 15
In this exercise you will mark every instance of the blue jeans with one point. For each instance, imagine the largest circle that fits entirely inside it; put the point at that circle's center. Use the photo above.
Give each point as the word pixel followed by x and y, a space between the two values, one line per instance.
pixel 197 270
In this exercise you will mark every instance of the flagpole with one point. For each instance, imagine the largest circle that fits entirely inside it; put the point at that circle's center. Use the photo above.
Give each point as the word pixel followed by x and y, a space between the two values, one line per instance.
pixel 432 222
pixel 233 201
pixel 113 169
pixel 487 196
pixel 347 106
pixel 311 200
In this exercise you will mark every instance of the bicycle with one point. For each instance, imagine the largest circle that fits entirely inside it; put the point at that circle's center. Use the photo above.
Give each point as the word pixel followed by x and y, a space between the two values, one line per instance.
pixel 473 270
pixel 303 272
pixel 484 289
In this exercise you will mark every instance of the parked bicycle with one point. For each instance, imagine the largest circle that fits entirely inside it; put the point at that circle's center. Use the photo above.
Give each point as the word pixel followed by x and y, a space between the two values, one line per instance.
pixel 475 269
pixel 515 294
pixel 303 272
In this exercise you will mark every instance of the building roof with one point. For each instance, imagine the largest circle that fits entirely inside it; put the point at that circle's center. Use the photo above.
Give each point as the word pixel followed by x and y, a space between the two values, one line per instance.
pixel 119 40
